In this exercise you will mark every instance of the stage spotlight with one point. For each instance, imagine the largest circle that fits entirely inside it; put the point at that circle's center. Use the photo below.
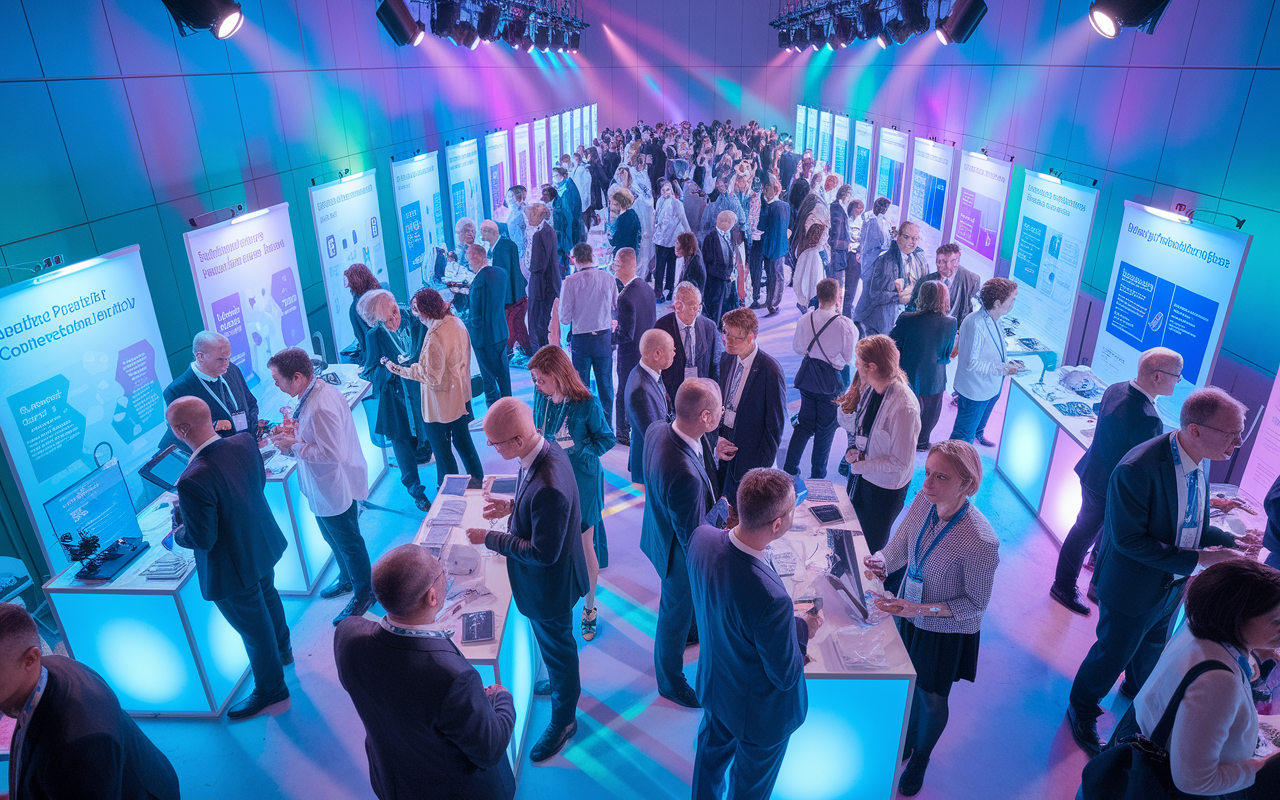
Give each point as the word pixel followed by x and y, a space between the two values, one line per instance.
pixel 916 14
pixel 514 33
pixel 445 18
pixel 884 40
pixel 542 39
pixel 558 41
pixel 489 18
pixel 222 18
pixel 784 40
pixel 817 35
pixel 843 31
pixel 900 30
pixel 468 36
pixel 872 22
pixel 526 44
pixel 575 39
pixel 963 20
pixel 1108 17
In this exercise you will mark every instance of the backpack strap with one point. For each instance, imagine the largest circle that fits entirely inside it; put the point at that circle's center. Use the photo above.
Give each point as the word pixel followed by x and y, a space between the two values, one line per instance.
pixel 1160 736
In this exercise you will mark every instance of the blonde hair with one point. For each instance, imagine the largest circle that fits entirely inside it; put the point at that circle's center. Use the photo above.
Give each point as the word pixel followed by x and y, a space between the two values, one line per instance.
pixel 623 198
pixel 881 351
pixel 964 459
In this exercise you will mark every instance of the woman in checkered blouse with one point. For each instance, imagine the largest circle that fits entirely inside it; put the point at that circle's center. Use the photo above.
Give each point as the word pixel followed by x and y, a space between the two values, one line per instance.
pixel 950 553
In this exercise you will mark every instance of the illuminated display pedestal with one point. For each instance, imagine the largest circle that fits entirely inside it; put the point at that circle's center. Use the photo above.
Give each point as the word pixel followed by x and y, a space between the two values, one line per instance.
pixel 511 658
pixel 1039 448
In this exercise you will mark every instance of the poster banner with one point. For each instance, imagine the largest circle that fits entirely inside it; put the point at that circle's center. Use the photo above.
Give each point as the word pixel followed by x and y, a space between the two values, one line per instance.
pixel 415 184
pixel 82 369
pixel 585 127
pixel 576 127
pixel 890 171
pixel 348 228
pixel 555 145
pixel 541 158
pixel 863 139
pixel 802 126
pixel 462 163
pixel 595 121
pixel 1264 461
pixel 524 158
pixel 497 159
pixel 979 212
pixel 840 151
pixel 930 192
pixel 811 131
pixel 824 138
pixel 1054 222
pixel 1172 285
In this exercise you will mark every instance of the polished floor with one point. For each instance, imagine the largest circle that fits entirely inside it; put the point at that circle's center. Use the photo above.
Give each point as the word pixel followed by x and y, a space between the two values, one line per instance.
pixel 1006 737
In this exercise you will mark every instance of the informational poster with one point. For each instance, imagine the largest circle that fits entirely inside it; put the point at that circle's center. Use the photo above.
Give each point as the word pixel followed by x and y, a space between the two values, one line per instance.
pixel 891 169
pixel 930 192
pixel 348 231
pixel 824 138
pixel 1264 461
pixel 585 126
pixel 497 160
pixel 541 157
pixel 1172 285
pixel 82 367
pixel 840 151
pixel 555 145
pixel 863 139
pixel 802 127
pixel 415 184
pixel 462 162
pixel 246 276
pixel 524 156
pixel 1054 222
pixel 595 121
pixel 576 127
pixel 811 131
pixel 979 212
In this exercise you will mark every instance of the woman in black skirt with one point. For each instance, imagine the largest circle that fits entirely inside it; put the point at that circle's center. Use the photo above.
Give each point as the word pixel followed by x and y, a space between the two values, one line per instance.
pixel 950 553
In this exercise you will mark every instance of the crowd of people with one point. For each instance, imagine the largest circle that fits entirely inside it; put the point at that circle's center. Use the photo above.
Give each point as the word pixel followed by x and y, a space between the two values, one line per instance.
pixel 701 228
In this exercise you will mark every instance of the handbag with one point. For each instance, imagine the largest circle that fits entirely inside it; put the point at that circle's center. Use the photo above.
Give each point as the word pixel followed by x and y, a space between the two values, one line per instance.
pixel 1137 768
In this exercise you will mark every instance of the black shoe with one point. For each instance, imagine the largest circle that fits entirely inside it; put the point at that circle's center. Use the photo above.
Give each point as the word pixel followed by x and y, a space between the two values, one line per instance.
pixel 1128 688
pixel 1092 594
pixel 984 441
pixel 336 589
pixel 286 658
pixel 355 608
pixel 913 776
pixel 552 741
pixel 542 688
pixel 255 703
pixel 772 312
pixel 692 638
pixel 1085 732
pixel 624 440
pixel 1070 601
pixel 757 304
pixel 923 448
pixel 683 696
pixel 422 503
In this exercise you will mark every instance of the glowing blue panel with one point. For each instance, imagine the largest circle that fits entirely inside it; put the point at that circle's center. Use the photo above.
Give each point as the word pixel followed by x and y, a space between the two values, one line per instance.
pixel 290 578
pixel 375 456
pixel 221 649
pixel 1026 444
pixel 518 662
pixel 316 552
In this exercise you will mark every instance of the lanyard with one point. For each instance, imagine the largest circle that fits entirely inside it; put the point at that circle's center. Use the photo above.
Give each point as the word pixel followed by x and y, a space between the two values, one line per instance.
pixel 917 572
pixel 430 634
pixel 1191 516
pixel 994 331
pixel 562 416
pixel 222 381
pixel 24 720
pixel 297 412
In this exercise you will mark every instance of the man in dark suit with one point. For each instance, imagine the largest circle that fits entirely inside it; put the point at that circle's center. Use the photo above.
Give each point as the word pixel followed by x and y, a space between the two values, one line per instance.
pixel 755 402
pixel 1127 418
pixel 637 313
pixel 237 543
pixel 774 218
pixel 787 163
pixel 1155 534
pixel 962 284
pixel 487 323
pixel 432 728
pixel 692 332
pixel 719 256
pixel 72 740
pixel 647 398
pixel 544 273
pixel 545 560
pixel 214 379
pixel 680 488
pixel 752 650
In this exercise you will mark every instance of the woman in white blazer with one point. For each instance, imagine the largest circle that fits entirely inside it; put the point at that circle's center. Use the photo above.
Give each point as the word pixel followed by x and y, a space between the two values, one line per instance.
pixel 882 417
pixel 444 370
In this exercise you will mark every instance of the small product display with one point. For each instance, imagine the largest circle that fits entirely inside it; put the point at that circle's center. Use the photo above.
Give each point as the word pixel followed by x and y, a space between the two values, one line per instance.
pixel 455 485
pixel 822 491
pixel 477 627
pixel 450 512
pixel 827 514
pixel 503 486
pixel 437 535
pixel 1074 408
pixel 168 567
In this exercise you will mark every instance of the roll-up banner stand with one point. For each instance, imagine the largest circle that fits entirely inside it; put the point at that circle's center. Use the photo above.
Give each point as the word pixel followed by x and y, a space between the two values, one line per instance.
pixel 929 203
pixel 864 137
pixel 82 369
pixel 415 185
pixel 891 170
pixel 462 163
pixel 497 159
pixel 802 127
pixel 1054 223
pixel 1172 285
pixel 524 157
pixel 566 133
pixel 576 126
pixel 541 157
pixel 348 231
pixel 1264 461
pixel 979 211
pixel 555 147
pixel 823 154
pixel 811 131
pixel 840 151
pixel 595 121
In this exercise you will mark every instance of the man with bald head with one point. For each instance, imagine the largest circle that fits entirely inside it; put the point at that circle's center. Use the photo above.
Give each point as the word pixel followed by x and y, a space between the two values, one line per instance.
pixel 647 399
pixel 219 383
pixel 680 488
pixel 237 543
pixel 429 721
pixel 545 561
pixel 1127 418
pixel 637 312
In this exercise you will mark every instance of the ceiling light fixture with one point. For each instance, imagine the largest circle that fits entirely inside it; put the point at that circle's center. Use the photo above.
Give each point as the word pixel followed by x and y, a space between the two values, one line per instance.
pixel 1109 17
pixel 963 20
pixel 222 18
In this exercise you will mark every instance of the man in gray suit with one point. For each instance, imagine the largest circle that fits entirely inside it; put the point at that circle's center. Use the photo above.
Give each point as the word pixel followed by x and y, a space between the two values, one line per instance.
pixel 962 284
pixel 892 279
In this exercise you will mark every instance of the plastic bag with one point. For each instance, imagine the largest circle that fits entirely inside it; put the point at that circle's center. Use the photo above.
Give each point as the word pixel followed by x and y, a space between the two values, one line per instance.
pixel 861 647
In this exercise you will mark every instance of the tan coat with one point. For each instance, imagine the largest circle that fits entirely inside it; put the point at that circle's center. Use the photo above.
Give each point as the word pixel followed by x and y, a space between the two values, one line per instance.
pixel 444 370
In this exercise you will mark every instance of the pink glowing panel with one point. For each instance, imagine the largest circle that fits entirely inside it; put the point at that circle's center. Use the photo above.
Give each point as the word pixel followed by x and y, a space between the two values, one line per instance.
pixel 1061 501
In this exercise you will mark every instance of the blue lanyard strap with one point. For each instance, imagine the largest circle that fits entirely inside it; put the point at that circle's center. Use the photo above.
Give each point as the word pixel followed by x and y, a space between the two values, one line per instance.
pixel 995 334
pixel 297 412
pixel 916 572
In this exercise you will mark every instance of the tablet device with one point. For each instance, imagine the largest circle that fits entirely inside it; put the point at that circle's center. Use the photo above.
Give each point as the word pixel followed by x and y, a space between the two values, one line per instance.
pixel 455 485
pixel 827 514
pixel 477 627
pixel 718 516
pixel 166 467
pixel 503 486
pixel 844 575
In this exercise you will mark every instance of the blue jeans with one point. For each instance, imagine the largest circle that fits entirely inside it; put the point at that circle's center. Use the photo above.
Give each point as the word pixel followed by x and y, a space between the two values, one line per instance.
pixel 971 418
pixel 593 352
pixel 342 532
pixel 442 435
pixel 817 420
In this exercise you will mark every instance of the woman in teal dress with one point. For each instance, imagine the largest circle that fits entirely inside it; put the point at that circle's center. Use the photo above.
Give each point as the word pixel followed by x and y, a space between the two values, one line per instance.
pixel 566 412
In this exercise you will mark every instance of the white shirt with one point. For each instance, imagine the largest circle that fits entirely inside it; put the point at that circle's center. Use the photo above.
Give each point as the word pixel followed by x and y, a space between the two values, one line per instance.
pixel 1145 393
pixel 980 367
pixel 689 440
pixel 205 444
pixel 890 458
pixel 731 403
pixel 834 346
pixel 212 383
pixel 526 461
pixel 657 376
pixel 332 471
pixel 751 551
pixel 1188 538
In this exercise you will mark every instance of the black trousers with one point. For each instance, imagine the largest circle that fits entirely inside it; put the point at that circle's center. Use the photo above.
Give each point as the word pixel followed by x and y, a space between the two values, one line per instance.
pixel 539 322
pixel 930 411
pixel 445 437
pixel 342 532
pixel 852 276
pixel 675 618
pixel 406 452
pixel 754 766
pixel 625 364
pixel 817 421
pixel 755 268
pixel 664 273
pixel 560 653
pixel 713 299
pixel 495 371
pixel 1085 533
pixel 876 508
pixel 257 615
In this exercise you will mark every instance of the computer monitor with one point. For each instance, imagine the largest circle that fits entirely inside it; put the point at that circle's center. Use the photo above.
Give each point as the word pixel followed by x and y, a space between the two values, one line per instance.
pixel 98 504
pixel 844 575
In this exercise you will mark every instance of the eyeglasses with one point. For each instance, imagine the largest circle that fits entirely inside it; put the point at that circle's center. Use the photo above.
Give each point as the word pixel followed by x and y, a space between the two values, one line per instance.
pixel 1229 434
pixel 1177 378
pixel 730 337
pixel 501 443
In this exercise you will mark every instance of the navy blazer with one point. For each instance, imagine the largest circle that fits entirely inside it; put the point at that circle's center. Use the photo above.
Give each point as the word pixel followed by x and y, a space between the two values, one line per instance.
pixel 544 266
pixel 695 272
pixel 430 731
pixel 1271 536
pixel 188 385
pixel 228 522
pixel 751 643
pixel 1140 559
pixel 646 403
pixel 81 744
pixel 706 342
pixel 713 257
pixel 487 317
pixel 1126 419
pixel 762 412
pixel 545 562
pixel 626 231
pixel 680 488
pixel 774 218
pixel 924 344
pixel 506 256
pixel 637 312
